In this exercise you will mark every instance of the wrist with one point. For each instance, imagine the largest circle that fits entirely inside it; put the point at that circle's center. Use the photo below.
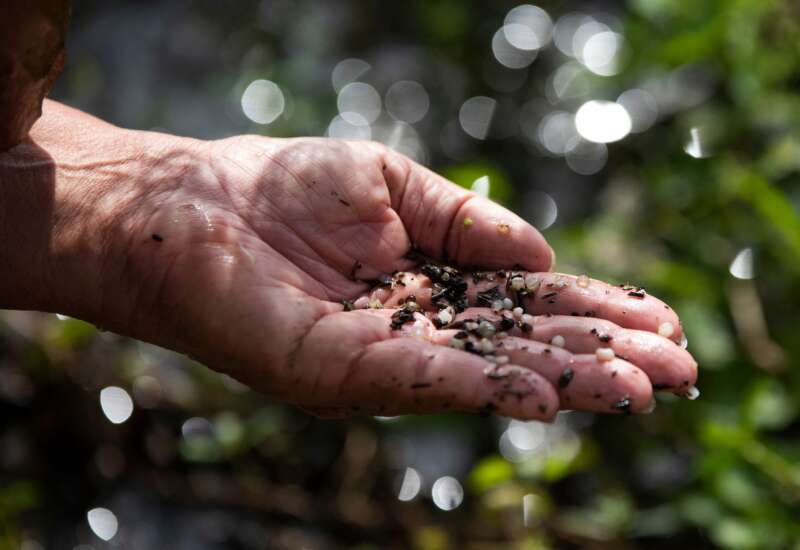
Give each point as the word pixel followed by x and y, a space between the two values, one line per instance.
pixel 73 197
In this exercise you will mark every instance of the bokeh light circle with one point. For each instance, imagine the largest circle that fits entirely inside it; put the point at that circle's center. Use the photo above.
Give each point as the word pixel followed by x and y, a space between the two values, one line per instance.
pixel 116 404
pixel 263 101
pixel 447 493
pixel 602 121
pixel 359 100
pixel 407 101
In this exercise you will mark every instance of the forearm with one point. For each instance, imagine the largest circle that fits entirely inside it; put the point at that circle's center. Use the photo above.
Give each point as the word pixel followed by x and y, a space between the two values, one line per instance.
pixel 68 209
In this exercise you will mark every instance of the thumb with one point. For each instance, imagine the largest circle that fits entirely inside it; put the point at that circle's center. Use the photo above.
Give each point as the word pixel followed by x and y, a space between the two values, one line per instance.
pixel 446 221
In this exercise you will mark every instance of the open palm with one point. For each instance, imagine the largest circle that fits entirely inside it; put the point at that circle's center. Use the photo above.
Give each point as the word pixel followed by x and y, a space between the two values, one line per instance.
pixel 244 264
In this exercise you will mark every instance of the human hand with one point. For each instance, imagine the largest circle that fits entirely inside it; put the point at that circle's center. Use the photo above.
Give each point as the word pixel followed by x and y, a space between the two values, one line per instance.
pixel 239 252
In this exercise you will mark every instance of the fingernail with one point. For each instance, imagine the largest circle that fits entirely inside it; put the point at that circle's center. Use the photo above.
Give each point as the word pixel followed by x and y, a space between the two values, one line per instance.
pixel 553 263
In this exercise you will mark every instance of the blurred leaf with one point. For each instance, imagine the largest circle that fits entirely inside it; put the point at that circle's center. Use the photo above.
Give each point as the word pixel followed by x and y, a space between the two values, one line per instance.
pixel 431 538
pixel 500 189
pixel 72 333
pixel 18 496
pixel 769 406
pixel 489 473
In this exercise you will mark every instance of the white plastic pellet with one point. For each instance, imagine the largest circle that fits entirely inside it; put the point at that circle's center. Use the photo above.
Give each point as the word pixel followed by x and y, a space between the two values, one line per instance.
pixel 445 317
pixel 604 354
pixel 507 303
pixel 666 329
pixel 559 283
pixel 527 319
pixel 497 305
pixel 532 283
pixel 517 311
pixel 558 341
pixel 583 281
pixel 692 393
pixel 486 329
pixel 517 283
pixel 486 346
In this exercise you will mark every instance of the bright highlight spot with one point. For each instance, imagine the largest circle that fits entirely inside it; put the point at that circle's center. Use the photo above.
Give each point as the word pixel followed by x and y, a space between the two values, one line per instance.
pixel 694 147
pixel 521 37
pixel 263 101
pixel 116 404
pixel 102 522
pixel 526 436
pixel 410 485
pixel 507 54
pixel 742 265
pixel 447 493
pixel 537 23
pixel 584 33
pixel 481 186
pixel 600 53
pixel 602 121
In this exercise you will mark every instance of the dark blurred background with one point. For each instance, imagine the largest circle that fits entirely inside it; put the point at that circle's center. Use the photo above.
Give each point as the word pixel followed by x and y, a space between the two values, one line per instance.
pixel 653 141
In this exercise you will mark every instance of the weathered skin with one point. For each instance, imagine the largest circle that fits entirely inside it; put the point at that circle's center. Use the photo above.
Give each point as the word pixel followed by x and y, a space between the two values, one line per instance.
pixel 238 252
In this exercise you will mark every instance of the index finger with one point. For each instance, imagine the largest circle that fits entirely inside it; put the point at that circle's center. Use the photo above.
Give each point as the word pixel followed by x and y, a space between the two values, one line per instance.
pixel 446 221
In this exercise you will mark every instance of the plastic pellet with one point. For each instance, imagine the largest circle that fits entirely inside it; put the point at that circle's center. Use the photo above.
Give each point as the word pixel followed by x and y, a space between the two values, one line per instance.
pixel 527 319
pixel 666 329
pixel 497 305
pixel 507 303
pixel 692 393
pixel 558 341
pixel 486 329
pixel 559 283
pixel 517 311
pixel 517 283
pixel 604 354
pixel 583 281
pixel 532 283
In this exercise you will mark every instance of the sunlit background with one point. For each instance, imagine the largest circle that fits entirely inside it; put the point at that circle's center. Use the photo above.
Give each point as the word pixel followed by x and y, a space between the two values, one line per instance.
pixel 652 141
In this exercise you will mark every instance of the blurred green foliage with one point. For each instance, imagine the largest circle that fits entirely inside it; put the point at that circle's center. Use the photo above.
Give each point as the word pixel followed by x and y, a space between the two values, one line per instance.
pixel 720 472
